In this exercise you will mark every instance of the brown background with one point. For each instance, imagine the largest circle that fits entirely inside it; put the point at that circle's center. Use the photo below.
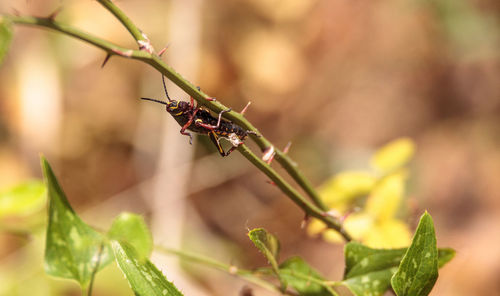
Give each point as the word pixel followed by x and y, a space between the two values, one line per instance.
pixel 337 78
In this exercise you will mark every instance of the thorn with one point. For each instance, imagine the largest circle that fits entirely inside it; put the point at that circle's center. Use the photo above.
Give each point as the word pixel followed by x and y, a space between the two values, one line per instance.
pixel 271 182
pixel 127 53
pixel 106 59
pixel 332 213
pixel 304 221
pixel 343 217
pixel 54 14
pixel 210 99
pixel 145 45
pixel 268 155
pixel 245 109
pixel 287 147
pixel 163 50
pixel 246 226
pixel 15 12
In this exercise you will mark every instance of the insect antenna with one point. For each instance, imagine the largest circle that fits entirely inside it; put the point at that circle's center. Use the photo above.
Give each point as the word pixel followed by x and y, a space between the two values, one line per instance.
pixel 165 87
pixel 154 100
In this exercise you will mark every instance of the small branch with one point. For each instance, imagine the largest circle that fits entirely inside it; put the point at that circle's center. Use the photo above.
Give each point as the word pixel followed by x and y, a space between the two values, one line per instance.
pixel 110 48
pixel 245 274
pixel 325 284
pixel 94 271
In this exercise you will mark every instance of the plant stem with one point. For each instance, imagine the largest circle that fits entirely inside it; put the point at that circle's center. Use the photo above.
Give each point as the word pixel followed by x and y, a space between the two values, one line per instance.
pixel 107 46
pixel 326 284
pixel 288 164
pixel 317 210
pixel 310 209
pixel 292 168
pixel 245 274
pixel 123 18
pixel 94 271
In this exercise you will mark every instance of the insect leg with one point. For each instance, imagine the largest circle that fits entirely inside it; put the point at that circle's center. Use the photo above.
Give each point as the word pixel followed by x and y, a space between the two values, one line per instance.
pixel 212 127
pixel 215 139
pixel 188 123
pixel 231 150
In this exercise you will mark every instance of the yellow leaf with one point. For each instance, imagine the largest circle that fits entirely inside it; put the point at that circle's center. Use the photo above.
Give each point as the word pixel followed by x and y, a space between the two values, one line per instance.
pixel 388 234
pixel 23 199
pixel 393 155
pixel 333 236
pixel 357 225
pixel 339 190
pixel 386 197
pixel 315 226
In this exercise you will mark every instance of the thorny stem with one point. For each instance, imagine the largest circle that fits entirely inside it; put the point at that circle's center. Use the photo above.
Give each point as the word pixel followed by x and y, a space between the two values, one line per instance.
pixel 309 208
pixel 317 210
pixel 248 275
pixel 286 162
pixel 127 23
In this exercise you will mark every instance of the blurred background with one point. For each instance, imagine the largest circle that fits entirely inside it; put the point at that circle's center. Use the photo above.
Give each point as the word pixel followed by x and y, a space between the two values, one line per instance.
pixel 337 78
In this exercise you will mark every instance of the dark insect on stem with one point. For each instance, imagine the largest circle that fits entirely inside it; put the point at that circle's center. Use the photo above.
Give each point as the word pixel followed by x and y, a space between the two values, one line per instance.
pixel 201 121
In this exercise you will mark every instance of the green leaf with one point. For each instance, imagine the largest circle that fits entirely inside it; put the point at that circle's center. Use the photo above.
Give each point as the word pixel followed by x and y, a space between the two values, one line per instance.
pixel 369 271
pixel 303 278
pixel 22 199
pixel 73 249
pixel 132 229
pixel 5 37
pixel 267 243
pixel 445 255
pixel 418 270
pixel 374 283
pixel 143 276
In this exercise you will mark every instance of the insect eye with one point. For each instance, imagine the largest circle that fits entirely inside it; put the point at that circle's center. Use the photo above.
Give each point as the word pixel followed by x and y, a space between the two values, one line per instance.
pixel 172 105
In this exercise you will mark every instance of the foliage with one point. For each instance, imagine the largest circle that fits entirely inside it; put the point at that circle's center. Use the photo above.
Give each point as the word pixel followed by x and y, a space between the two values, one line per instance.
pixel 369 271
pixel 418 270
pixel 267 243
pixel 143 276
pixel 378 192
pixel 303 278
pixel 22 199
pixel 75 250
pixel 5 37
pixel 131 228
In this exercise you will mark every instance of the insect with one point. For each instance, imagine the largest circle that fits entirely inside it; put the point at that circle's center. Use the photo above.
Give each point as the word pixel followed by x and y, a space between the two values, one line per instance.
pixel 201 121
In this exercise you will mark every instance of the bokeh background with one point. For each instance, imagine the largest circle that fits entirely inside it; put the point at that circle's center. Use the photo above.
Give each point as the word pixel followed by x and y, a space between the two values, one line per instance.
pixel 337 78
